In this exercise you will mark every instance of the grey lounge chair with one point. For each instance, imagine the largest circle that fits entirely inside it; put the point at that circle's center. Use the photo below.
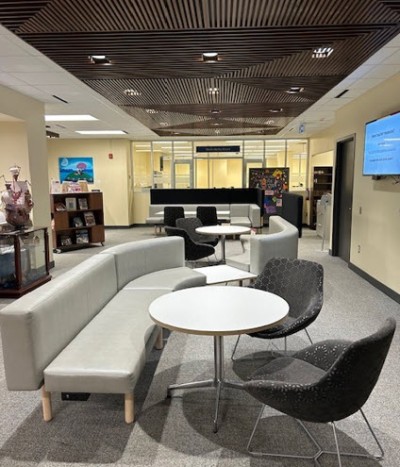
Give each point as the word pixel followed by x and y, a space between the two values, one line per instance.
pixel 325 382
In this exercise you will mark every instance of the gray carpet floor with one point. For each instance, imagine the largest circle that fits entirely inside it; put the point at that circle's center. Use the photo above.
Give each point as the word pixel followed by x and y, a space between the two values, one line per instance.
pixel 178 431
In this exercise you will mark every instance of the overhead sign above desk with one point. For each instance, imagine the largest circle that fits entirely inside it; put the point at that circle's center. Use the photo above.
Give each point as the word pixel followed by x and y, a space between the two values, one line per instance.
pixel 217 148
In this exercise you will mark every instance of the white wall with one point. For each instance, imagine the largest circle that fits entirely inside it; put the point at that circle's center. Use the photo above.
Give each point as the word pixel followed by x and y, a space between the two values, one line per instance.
pixel 376 231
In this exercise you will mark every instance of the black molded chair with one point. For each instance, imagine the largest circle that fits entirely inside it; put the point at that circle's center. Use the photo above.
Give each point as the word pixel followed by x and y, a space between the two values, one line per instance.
pixel 190 224
pixel 300 283
pixel 323 383
pixel 171 214
pixel 193 250
pixel 207 215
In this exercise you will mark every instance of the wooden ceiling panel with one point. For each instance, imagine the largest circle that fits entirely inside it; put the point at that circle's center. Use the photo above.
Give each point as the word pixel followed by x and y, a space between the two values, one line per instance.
pixel 155 50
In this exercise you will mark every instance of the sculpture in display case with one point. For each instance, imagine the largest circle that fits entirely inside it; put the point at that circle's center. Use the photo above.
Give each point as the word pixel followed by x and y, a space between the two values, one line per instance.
pixel 16 200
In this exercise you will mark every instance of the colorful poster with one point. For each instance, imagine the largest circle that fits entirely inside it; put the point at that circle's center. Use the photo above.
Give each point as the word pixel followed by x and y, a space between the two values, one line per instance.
pixel 73 169
pixel 274 181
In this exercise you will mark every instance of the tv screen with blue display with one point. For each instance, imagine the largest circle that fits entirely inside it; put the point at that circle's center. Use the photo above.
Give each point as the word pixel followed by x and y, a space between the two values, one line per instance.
pixel 382 146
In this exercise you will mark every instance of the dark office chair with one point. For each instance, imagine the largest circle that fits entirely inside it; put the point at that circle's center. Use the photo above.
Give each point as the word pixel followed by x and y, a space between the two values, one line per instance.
pixel 190 224
pixel 171 213
pixel 207 215
pixel 193 250
pixel 325 382
pixel 300 283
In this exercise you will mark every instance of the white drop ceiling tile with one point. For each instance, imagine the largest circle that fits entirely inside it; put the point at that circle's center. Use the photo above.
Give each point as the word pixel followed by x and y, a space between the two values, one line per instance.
pixel 9 49
pixel 9 80
pixel 394 59
pixel 384 71
pixel 361 71
pixel 44 78
pixel 22 64
pixel 32 92
pixel 365 83
pixel 69 93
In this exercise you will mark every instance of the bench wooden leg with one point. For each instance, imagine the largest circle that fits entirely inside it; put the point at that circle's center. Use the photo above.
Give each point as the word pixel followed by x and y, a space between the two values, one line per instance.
pixel 46 405
pixel 160 340
pixel 129 408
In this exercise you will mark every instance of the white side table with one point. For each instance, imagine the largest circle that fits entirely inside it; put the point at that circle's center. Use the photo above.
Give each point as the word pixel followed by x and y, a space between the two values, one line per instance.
pixel 223 273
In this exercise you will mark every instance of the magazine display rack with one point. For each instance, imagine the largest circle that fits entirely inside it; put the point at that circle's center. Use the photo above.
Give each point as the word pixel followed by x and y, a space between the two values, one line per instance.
pixel 24 261
pixel 78 220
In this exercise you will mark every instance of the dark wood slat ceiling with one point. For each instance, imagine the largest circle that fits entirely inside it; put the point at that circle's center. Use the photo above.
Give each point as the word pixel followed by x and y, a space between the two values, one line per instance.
pixel 155 46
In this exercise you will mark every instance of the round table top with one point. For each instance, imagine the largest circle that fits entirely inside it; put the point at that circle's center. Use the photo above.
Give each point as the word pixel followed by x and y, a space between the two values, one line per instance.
pixel 224 229
pixel 218 310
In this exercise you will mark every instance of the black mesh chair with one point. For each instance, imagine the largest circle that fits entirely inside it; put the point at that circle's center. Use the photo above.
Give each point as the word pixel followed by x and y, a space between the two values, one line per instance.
pixel 193 250
pixel 300 283
pixel 171 213
pixel 323 383
pixel 190 224
pixel 207 215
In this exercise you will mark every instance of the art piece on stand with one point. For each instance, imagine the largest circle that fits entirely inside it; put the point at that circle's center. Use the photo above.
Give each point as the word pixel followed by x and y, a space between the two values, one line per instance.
pixel 76 169
pixel 274 181
pixel 16 200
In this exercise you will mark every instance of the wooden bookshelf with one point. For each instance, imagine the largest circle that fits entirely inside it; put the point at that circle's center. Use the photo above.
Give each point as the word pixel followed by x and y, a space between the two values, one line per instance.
pixel 67 209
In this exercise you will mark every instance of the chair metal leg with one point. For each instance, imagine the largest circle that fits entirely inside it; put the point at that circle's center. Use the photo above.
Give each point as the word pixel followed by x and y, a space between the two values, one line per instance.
pixel 320 450
pixel 234 349
pixel 308 335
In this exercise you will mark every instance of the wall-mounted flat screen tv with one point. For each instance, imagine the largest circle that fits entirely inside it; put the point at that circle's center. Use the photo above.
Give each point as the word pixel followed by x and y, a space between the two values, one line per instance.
pixel 382 146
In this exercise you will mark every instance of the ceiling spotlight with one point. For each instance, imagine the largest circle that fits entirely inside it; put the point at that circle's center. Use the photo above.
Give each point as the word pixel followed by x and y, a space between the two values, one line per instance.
pixel 152 111
pixel 213 91
pixel 275 110
pixel 269 122
pixel 322 52
pixel 132 92
pixel 295 90
pixel 163 124
pixel 99 59
pixel 210 57
pixel 217 132
pixel 215 111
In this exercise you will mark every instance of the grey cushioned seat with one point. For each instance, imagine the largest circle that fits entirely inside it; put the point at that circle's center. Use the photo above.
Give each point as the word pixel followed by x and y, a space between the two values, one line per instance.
pixel 170 279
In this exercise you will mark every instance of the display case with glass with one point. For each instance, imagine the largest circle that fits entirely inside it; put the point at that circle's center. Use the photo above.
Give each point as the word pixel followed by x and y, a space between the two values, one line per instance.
pixel 24 261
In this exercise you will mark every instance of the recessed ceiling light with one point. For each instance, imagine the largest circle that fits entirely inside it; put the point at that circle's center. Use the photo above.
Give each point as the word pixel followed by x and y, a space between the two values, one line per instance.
pixel 213 90
pixel 101 132
pixel 99 60
pixel 269 122
pixel 52 134
pixel 151 111
pixel 275 110
pixel 69 118
pixel 132 92
pixel 210 57
pixel 216 123
pixel 217 131
pixel 215 111
pixel 295 90
pixel 322 52
pixel 163 123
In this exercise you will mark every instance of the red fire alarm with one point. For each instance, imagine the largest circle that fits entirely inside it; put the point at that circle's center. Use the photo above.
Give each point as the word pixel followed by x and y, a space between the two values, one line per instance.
pixel 111 155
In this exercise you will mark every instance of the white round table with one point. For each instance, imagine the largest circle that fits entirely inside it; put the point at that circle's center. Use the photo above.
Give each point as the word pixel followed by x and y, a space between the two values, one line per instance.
pixel 217 311
pixel 222 231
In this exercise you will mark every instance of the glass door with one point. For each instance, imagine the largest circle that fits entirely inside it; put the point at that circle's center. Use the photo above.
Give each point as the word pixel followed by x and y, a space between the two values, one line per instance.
pixel 183 173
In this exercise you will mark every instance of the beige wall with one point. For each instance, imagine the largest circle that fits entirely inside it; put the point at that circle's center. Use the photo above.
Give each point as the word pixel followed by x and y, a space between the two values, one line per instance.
pixel 112 176
pixel 24 143
pixel 376 229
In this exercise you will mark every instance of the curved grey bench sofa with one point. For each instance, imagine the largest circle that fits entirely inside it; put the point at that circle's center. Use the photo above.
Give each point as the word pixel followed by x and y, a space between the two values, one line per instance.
pixel 281 241
pixel 89 329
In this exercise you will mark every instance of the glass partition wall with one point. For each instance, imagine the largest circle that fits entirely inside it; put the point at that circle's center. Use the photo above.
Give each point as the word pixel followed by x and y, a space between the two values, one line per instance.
pixel 215 164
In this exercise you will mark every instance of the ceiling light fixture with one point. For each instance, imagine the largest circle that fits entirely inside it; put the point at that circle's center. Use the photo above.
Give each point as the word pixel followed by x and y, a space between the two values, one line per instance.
pixel 163 124
pixel 275 110
pixel 132 92
pixel 295 90
pixel 69 118
pixel 215 111
pixel 101 132
pixel 322 52
pixel 213 91
pixel 99 60
pixel 52 134
pixel 269 122
pixel 210 57
pixel 151 111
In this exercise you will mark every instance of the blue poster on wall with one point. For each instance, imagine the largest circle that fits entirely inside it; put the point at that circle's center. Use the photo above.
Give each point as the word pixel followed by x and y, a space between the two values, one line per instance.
pixel 73 169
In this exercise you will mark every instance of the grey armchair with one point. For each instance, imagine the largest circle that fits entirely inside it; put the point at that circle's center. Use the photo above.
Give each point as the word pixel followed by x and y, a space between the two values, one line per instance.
pixel 300 283
pixel 190 224
pixel 324 382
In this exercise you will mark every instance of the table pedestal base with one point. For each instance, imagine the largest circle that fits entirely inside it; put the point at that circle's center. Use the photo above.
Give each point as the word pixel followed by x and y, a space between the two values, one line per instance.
pixel 218 381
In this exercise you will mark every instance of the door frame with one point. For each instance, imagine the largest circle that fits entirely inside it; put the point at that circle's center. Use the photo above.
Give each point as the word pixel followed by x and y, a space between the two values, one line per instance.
pixel 336 190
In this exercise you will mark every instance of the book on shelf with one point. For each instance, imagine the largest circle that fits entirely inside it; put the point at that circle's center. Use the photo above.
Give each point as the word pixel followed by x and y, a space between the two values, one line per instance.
pixel 89 218
pixel 83 203
pixel 82 236
pixel 70 203
pixel 65 240
pixel 60 207
pixel 77 222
